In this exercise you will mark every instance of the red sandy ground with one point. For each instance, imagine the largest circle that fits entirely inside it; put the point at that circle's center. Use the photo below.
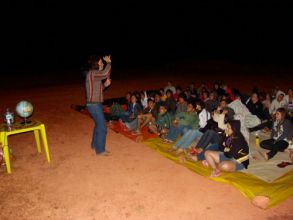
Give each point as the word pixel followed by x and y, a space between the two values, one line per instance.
pixel 135 182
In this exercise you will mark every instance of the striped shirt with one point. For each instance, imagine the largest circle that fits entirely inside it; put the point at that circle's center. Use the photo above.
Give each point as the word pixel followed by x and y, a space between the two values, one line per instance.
pixel 94 85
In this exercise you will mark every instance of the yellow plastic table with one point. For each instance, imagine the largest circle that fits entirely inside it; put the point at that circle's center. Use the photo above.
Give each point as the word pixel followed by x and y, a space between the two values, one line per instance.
pixel 35 126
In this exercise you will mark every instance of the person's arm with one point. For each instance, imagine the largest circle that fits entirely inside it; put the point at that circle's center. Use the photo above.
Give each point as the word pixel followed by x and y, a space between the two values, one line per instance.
pixel 287 131
pixel 105 73
pixel 107 83
pixel 102 74
pixel 202 119
pixel 239 148
pixel 221 122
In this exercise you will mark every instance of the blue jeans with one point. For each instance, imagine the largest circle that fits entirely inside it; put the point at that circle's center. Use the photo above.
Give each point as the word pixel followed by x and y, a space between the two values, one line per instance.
pixel 175 131
pixel 188 138
pixel 213 147
pixel 100 129
pixel 131 125
pixel 209 137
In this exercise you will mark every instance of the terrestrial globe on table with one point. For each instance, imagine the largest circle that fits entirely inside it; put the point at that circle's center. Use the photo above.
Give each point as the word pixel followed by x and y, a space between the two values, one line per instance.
pixel 24 109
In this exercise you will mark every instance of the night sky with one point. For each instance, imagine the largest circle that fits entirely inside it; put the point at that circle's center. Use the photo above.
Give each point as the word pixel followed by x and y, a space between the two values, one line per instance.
pixel 50 36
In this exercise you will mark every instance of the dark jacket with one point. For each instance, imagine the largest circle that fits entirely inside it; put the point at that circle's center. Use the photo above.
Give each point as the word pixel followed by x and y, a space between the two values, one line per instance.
pixel 131 113
pixel 164 121
pixel 285 131
pixel 171 106
pixel 235 146
pixel 256 109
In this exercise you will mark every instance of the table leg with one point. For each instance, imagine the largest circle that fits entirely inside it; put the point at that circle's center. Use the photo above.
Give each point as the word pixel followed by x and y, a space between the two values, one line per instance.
pixel 45 142
pixel 6 153
pixel 37 137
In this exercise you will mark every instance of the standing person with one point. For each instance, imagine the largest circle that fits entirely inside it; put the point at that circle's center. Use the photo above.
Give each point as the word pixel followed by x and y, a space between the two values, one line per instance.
pixel 94 100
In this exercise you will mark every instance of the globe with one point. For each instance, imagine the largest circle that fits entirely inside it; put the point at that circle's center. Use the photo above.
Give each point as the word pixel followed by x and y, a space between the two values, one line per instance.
pixel 24 109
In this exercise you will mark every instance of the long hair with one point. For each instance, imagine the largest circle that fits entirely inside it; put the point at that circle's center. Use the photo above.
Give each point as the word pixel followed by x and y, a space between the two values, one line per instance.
pixel 283 113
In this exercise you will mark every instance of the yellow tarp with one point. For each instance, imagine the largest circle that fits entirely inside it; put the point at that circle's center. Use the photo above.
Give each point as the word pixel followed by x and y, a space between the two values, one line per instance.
pixel 249 185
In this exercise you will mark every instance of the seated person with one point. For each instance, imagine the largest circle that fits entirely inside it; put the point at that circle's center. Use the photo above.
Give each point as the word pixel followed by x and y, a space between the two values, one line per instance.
pixel 183 122
pixel 242 113
pixel 255 106
pixel 289 105
pixel 233 154
pixel 144 99
pixel 170 102
pixel 211 102
pixel 278 102
pixel 128 118
pixel 195 133
pixel 162 94
pixel 115 111
pixel 163 123
pixel 282 133
pixel 182 103
pixel 170 86
pixel 212 136
pixel 148 115
pixel 177 93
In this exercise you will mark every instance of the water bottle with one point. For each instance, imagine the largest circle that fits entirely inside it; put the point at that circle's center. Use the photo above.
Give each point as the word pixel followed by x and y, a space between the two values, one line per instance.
pixel 257 140
pixel 8 118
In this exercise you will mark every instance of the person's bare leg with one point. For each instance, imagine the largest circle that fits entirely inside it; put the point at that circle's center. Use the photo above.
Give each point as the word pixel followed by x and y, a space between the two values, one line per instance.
pixel 153 129
pixel 148 119
pixel 291 155
pixel 227 166
pixel 264 155
pixel 139 122
pixel 140 119
pixel 213 159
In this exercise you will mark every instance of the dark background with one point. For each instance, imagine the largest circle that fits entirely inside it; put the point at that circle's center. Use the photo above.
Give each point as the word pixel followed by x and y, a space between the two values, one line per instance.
pixel 48 37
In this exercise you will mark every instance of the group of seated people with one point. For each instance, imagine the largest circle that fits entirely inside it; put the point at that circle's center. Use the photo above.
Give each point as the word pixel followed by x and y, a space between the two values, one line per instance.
pixel 212 126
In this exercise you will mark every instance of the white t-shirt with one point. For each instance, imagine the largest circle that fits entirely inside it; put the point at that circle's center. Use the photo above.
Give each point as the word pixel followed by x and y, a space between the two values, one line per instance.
pixel 203 116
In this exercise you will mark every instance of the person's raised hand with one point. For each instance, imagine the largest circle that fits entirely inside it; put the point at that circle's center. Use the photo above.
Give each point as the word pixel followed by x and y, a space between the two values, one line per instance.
pixel 107 83
pixel 107 58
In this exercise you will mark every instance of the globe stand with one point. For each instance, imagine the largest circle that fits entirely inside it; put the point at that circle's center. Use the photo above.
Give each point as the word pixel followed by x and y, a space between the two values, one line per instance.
pixel 25 121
